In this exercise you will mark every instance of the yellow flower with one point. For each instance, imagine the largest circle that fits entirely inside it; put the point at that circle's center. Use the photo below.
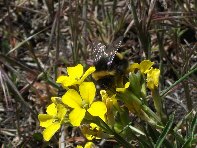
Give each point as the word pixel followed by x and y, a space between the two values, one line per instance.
pixel 123 89
pixel 144 66
pixel 111 104
pixel 75 76
pixel 109 101
pixel 83 102
pixel 153 78
pixel 52 120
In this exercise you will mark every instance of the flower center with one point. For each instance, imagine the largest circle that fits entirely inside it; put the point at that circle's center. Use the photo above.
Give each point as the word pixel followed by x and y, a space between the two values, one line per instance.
pixel 85 105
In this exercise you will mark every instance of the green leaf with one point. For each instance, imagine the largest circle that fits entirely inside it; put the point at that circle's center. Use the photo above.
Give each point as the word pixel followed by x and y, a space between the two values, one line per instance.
pixel 179 139
pixel 187 143
pixel 165 132
pixel 153 133
pixel 136 130
pixel 108 130
pixel 193 125
pixel 135 83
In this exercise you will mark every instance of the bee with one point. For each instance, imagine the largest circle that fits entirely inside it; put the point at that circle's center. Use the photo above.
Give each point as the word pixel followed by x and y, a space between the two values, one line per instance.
pixel 110 65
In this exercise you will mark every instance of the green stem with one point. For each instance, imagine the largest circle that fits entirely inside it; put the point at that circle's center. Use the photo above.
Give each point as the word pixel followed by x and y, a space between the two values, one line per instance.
pixel 161 54
pixel 118 138
pixel 158 105
pixel 187 96
pixel 104 126
pixel 136 106
pixel 165 92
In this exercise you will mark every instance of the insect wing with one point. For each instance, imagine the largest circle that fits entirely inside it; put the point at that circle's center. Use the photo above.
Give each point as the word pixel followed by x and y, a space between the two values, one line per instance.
pixel 99 51
pixel 113 48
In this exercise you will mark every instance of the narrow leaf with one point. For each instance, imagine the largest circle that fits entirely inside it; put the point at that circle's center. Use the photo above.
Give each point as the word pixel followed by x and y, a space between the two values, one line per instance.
pixel 165 132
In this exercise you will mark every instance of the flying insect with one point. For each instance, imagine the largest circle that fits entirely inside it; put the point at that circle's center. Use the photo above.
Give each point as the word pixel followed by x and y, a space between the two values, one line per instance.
pixel 111 66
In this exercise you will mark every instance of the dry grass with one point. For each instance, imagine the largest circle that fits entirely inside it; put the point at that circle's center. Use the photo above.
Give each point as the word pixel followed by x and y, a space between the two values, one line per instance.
pixel 39 39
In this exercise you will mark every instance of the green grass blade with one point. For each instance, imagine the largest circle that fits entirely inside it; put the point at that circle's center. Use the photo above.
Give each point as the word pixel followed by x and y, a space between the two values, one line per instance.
pixel 26 40
pixel 165 132
pixel 194 125
pixel 187 144
pixel 136 130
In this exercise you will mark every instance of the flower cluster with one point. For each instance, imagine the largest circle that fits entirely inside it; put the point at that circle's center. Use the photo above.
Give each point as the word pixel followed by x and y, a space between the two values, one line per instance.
pixel 145 67
pixel 75 102
pixel 79 106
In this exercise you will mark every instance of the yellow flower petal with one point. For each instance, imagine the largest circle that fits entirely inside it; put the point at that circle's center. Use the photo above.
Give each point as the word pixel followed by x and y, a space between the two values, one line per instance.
pixel 45 120
pixel 71 81
pixel 127 85
pixel 61 79
pixel 145 65
pixel 66 81
pixel 55 99
pixel 50 131
pixel 72 98
pixel 120 89
pixel 87 73
pixel 61 111
pixel 75 76
pixel 87 91
pixel 123 89
pixel 89 145
pixel 104 96
pixel 98 109
pixel 93 126
pixel 76 116
pixel 134 66
pixel 89 137
pixel 153 78
pixel 75 72
pixel 51 109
